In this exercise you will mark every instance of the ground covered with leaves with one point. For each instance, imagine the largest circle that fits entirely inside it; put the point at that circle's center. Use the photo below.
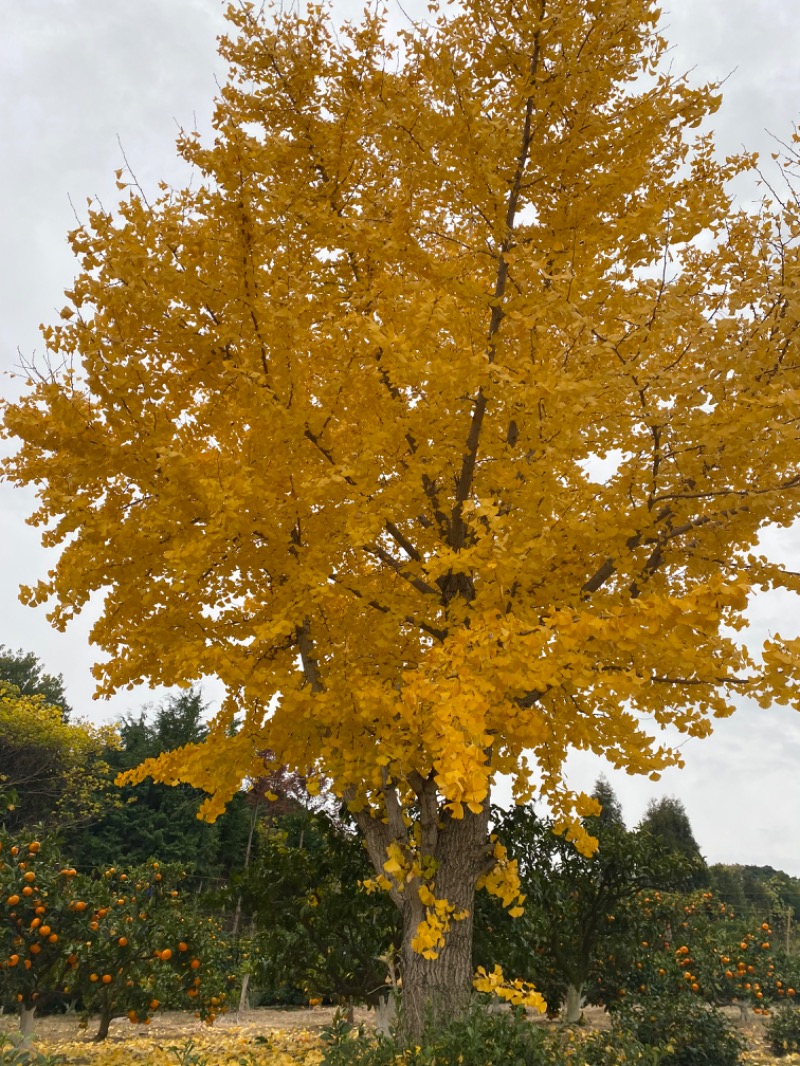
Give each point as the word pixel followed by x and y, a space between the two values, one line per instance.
pixel 266 1037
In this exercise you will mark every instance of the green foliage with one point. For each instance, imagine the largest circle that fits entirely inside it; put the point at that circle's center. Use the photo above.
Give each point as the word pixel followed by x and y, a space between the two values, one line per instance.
pixel 506 1038
pixel 688 1032
pixel 783 1031
pixel 318 933
pixel 759 891
pixel 578 910
pixel 16 1054
pixel 614 1047
pixel 611 813
pixel 666 819
pixel 480 1038
pixel 152 821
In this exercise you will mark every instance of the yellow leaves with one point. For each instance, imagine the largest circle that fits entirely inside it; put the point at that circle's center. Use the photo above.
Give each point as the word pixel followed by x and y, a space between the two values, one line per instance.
pixel 429 938
pixel 517 992
pixel 225 1047
pixel 502 880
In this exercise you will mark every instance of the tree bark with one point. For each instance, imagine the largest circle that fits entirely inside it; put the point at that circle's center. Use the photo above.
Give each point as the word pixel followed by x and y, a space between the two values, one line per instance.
pixel 106 1016
pixel 572 1007
pixel 435 991
pixel 26 1024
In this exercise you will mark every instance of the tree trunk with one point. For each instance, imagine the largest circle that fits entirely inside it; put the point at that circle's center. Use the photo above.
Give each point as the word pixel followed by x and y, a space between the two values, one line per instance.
pixel 26 1024
pixel 106 1016
pixel 572 1008
pixel 244 1002
pixel 434 991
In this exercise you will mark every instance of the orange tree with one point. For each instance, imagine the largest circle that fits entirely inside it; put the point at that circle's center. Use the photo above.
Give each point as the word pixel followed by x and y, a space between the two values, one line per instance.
pixel 121 943
pixel 37 924
pixel 697 944
pixel 142 948
pixel 424 419
pixel 578 909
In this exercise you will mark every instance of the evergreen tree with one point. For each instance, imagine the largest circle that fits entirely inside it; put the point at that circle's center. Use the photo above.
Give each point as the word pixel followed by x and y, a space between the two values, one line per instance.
pixel 666 820
pixel 611 813
pixel 154 821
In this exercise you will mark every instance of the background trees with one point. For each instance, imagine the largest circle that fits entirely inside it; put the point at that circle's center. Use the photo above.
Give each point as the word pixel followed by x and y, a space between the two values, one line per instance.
pixel 54 768
pixel 153 821
pixel 579 910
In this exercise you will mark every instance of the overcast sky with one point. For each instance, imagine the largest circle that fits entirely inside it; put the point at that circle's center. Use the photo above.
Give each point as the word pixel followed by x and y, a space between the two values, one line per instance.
pixel 77 77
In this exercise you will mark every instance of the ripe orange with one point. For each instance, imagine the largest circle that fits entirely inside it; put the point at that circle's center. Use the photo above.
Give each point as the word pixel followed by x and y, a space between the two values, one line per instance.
pixel 12 901
pixel 93 977
pixel 13 960
pixel 195 964
pixel 166 955
pixel 45 930
pixel 34 846
pixel 106 978
pixel 27 891
pixel 35 949
pixel 29 876
pixel 123 941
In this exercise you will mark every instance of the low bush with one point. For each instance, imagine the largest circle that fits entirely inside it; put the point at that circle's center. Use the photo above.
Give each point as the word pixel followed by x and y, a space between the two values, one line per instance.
pixel 687 1032
pixel 481 1038
pixel 783 1031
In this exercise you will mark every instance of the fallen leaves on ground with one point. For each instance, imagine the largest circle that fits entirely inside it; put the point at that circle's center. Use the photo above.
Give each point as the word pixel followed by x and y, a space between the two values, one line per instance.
pixel 228 1047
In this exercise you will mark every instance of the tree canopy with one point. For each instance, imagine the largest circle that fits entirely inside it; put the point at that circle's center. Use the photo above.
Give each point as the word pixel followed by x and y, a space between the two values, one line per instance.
pixel 439 417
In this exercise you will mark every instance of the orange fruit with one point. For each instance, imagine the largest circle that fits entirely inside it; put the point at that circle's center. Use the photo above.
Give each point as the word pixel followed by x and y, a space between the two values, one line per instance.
pixel 27 891
pixel 45 930
pixel 35 949
pixel 166 955
pixel 93 977
pixel 183 946
pixel 106 978
pixel 12 901
pixel 195 964
pixel 123 941
pixel 34 846
pixel 13 960
pixel 29 876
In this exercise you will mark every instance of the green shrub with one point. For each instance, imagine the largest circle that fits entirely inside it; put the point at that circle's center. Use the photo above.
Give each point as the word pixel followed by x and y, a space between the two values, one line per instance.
pixel 480 1038
pixel 783 1031
pixel 615 1047
pixel 689 1033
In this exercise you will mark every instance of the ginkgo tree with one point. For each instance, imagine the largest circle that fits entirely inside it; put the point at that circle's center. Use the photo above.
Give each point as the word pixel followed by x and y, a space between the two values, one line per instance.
pixel 438 417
